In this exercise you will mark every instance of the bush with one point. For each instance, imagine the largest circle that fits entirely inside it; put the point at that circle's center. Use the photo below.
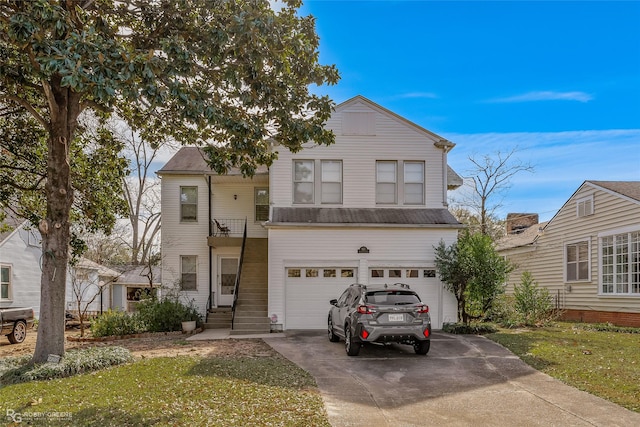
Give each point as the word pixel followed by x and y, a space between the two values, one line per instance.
pixel 471 328
pixel 532 303
pixel 167 314
pixel 114 322
pixel 18 370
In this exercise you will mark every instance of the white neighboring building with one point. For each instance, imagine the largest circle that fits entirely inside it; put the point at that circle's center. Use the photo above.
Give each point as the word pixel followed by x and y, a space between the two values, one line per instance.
pixel 369 209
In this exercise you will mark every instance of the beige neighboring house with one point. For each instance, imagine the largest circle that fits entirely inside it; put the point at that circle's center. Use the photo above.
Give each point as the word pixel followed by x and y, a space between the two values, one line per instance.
pixel 587 255
pixel 90 283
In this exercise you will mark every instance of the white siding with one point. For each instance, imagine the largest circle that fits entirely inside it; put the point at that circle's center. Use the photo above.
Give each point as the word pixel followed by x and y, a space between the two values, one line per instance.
pixel 546 260
pixel 188 238
pixel 23 256
pixel 296 247
pixel 226 206
pixel 394 139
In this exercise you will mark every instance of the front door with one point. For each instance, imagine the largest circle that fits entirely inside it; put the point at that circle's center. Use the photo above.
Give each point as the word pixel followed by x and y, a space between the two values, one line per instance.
pixel 227 271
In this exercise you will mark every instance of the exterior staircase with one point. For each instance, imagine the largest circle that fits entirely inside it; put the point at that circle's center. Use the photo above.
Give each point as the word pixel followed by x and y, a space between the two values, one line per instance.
pixel 251 307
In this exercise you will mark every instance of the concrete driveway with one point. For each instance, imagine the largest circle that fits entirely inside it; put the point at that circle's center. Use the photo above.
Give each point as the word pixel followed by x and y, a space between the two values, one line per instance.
pixel 463 381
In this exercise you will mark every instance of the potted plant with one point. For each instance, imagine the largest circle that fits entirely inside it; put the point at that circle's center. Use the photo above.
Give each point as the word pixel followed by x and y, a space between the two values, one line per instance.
pixel 191 318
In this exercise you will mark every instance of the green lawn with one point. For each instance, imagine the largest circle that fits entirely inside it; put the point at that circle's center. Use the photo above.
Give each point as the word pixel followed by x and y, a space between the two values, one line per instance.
pixel 176 391
pixel 606 364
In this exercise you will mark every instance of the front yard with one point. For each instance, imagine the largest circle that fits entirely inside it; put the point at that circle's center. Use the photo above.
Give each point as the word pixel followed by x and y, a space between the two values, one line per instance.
pixel 603 363
pixel 173 382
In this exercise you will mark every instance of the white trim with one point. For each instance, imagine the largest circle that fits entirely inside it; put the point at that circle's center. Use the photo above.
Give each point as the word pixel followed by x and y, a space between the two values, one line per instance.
pixel 613 193
pixel 624 230
pixel 620 230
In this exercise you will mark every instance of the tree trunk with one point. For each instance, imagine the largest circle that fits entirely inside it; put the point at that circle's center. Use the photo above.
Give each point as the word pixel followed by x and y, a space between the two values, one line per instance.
pixel 55 228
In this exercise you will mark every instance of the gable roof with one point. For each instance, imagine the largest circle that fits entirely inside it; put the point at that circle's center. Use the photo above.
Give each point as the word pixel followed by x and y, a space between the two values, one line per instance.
pixel 87 264
pixel 191 160
pixel 139 275
pixel 9 225
pixel 363 216
pixel 442 142
pixel 630 189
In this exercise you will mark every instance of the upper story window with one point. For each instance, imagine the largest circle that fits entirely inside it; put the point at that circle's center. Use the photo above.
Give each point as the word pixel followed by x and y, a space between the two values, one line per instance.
pixel 262 204
pixel 386 179
pixel 5 282
pixel 303 174
pixel 620 264
pixel 188 272
pixel 584 207
pixel 188 204
pixel 414 183
pixel 331 181
pixel 577 264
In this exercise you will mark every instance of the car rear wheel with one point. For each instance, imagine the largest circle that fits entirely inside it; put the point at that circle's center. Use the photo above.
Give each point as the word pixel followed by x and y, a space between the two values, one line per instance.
pixel 352 348
pixel 19 332
pixel 332 336
pixel 422 347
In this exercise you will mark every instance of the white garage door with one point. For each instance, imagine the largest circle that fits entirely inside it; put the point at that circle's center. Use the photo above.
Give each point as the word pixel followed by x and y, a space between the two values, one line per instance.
pixel 421 280
pixel 309 290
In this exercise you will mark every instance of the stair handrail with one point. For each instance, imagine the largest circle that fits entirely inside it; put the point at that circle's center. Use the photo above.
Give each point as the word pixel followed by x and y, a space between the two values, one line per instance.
pixel 236 289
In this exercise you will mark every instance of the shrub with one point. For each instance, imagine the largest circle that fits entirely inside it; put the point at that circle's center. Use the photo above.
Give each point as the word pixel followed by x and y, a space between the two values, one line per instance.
pixel 74 362
pixel 471 328
pixel 114 322
pixel 167 314
pixel 532 303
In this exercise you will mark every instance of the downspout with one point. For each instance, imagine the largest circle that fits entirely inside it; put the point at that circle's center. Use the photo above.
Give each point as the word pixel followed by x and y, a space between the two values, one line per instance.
pixel 210 248
pixel 445 146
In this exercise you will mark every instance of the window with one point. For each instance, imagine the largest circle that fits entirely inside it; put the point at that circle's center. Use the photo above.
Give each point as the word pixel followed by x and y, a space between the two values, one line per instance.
pixel 346 273
pixel 429 273
pixel 584 207
pixel 5 282
pixel 386 176
pixel 331 181
pixel 329 272
pixel 377 273
pixel 620 263
pixel 395 273
pixel 188 269
pixel 293 272
pixel 262 204
pixel 414 183
pixel 188 204
pixel 577 256
pixel 311 272
pixel 412 273
pixel 303 181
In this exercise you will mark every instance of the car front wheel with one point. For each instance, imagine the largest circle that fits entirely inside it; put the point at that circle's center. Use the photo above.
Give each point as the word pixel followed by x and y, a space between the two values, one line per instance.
pixel 19 332
pixel 332 336
pixel 352 348
pixel 422 347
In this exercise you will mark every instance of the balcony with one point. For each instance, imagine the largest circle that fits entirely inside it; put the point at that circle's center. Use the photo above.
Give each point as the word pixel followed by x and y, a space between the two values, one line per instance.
pixel 226 232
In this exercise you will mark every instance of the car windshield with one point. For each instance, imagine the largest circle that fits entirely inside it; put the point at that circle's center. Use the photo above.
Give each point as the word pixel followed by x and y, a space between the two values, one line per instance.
pixel 390 297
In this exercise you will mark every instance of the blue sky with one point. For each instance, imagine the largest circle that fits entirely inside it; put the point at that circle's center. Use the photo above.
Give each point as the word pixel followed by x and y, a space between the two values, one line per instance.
pixel 558 80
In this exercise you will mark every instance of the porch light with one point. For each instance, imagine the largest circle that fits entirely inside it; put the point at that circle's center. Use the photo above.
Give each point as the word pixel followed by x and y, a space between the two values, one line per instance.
pixel 363 250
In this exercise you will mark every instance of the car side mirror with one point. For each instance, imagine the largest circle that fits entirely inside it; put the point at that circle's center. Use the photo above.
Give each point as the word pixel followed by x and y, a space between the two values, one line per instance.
pixel 334 302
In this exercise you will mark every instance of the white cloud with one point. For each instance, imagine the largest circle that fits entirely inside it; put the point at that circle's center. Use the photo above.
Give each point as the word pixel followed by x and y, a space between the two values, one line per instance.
pixel 428 95
pixel 546 96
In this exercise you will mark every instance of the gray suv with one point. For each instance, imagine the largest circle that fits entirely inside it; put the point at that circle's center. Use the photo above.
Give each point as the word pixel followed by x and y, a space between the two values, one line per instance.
pixel 380 314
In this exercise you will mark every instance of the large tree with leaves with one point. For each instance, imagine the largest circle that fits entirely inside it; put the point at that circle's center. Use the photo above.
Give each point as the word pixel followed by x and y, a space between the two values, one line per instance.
pixel 226 75
pixel 473 271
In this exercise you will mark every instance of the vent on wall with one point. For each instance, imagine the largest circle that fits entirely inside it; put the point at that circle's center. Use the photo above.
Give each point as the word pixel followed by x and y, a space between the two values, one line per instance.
pixel 358 123
pixel 584 207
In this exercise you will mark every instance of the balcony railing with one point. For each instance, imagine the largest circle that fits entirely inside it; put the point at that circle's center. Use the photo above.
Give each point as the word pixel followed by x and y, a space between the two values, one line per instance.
pixel 227 227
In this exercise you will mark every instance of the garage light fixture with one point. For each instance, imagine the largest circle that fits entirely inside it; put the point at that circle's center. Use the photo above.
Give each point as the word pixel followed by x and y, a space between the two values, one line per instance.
pixel 363 250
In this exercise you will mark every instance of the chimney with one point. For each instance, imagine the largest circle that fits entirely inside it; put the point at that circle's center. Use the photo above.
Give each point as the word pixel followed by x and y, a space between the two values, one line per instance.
pixel 518 222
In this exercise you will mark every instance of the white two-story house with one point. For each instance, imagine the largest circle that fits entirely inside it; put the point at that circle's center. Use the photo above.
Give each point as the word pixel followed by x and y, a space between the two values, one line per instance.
pixel 368 209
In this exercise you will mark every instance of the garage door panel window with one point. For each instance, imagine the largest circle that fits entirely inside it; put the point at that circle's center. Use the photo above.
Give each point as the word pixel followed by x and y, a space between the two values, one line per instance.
pixel 311 272
pixel 377 273
pixel 329 272
pixel 411 273
pixel 395 273
pixel 293 272
pixel 346 273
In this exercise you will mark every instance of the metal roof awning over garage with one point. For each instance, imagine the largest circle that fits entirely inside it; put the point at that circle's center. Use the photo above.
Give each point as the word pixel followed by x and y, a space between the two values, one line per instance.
pixel 427 218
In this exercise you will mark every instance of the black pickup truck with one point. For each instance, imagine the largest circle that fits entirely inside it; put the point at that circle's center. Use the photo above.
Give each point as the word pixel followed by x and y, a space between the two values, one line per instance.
pixel 15 323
